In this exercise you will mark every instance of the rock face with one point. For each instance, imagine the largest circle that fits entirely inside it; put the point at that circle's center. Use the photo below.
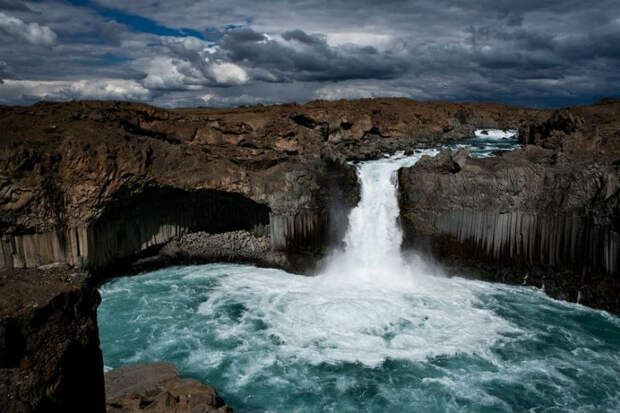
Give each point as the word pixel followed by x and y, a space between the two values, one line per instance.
pixel 157 388
pixel 93 183
pixel 49 344
pixel 547 215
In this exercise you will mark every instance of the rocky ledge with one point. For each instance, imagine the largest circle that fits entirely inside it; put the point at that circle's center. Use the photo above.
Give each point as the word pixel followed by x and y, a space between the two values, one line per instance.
pixel 157 388
pixel 50 359
pixel 547 214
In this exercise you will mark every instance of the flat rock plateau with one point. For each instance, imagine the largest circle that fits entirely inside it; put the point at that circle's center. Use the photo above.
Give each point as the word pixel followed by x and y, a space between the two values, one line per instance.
pixel 89 190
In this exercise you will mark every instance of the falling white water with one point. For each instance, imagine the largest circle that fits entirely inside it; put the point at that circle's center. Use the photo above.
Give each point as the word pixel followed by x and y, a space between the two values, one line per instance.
pixel 373 238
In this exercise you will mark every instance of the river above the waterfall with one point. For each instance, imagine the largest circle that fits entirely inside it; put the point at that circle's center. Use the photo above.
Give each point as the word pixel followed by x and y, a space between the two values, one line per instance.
pixel 377 330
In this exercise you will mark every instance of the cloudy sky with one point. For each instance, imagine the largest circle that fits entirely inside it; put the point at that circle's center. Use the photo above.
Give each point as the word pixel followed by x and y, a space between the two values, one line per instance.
pixel 232 52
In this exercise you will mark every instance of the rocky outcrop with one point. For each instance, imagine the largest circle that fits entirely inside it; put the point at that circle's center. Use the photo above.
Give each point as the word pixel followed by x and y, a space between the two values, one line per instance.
pixel 157 388
pixel 547 214
pixel 93 183
pixel 142 215
pixel 49 345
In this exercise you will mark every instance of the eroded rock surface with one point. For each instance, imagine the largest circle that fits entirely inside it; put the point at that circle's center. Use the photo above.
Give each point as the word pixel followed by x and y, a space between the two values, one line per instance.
pixel 49 344
pixel 157 388
pixel 92 183
pixel 547 214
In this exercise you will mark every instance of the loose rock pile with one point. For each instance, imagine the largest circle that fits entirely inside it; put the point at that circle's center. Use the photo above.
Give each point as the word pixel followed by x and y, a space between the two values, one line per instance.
pixel 228 246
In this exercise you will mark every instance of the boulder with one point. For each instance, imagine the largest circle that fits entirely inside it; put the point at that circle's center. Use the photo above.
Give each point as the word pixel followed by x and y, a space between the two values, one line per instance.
pixel 157 388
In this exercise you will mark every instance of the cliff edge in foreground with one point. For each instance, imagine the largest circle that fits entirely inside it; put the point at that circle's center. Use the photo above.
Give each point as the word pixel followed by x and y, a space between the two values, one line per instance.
pixel 50 359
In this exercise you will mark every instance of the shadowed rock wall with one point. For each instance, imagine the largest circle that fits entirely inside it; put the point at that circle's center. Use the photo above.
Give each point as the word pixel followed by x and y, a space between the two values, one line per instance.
pixel 135 223
pixel 568 241
pixel 50 359
pixel 65 167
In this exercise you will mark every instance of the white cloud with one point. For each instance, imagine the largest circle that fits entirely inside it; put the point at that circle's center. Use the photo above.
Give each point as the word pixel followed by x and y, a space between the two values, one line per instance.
pixel 358 91
pixel 380 41
pixel 182 45
pixel 165 72
pixel 104 89
pixel 189 67
pixel 219 101
pixel 109 89
pixel 229 73
pixel 208 97
pixel 32 33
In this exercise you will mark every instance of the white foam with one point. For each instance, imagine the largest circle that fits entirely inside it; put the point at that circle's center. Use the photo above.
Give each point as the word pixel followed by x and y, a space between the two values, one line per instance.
pixel 496 134
pixel 322 322
pixel 372 252
pixel 370 304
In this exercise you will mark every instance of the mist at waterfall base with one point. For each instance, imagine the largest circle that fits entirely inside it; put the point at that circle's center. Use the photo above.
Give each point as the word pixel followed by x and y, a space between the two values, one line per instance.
pixel 375 331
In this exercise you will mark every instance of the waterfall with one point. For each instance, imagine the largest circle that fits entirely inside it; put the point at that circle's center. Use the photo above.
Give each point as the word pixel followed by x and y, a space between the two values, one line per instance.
pixel 373 237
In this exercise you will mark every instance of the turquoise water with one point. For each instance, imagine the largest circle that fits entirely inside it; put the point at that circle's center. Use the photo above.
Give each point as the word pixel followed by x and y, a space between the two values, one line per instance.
pixel 486 141
pixel 271 341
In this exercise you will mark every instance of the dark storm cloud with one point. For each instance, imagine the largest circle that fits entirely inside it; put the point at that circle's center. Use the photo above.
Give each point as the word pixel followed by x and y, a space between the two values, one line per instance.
pixel 113 32
pixel 3 70
pixel 14 5
pixel 300 56
pixel 302 37
pixel 527 52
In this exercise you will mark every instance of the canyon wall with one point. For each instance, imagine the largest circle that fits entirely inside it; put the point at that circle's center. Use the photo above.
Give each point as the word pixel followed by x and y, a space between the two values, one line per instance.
pixel 131 225
pixel 546 214
pixel 94 183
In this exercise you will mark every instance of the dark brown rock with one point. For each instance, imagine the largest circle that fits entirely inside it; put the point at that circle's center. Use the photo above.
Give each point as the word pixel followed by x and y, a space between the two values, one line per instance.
pixel 202 248
pixel 157 387
pixel 547 215
pixel 92 183
pixel 49 345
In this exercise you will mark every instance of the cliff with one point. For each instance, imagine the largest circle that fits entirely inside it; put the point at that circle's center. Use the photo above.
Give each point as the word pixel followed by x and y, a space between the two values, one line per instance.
pixel 49 342
pixel 92 184
pixel 547 214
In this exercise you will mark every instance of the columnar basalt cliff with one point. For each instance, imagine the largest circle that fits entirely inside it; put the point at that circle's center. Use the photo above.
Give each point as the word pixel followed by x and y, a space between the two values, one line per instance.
pixel 94 183
pixel 547 214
